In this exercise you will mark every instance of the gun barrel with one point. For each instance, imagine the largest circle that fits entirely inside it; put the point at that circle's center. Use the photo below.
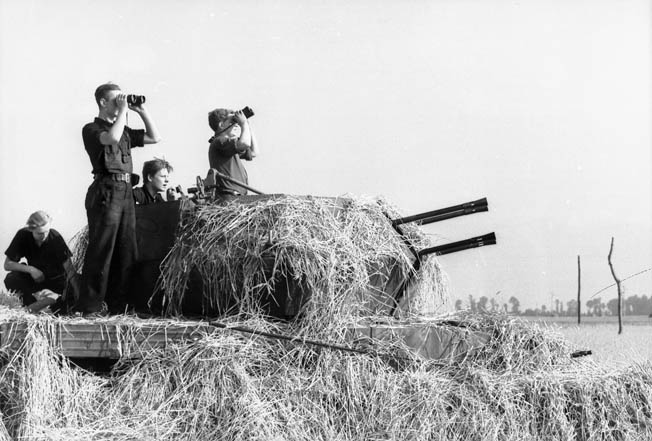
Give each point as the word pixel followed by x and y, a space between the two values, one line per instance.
pixel 474 242
pixel 446 213
pixel 463 247
pixel 441 217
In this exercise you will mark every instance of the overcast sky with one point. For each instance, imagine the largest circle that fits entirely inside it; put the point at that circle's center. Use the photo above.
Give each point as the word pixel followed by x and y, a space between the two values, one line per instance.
pixel 541 106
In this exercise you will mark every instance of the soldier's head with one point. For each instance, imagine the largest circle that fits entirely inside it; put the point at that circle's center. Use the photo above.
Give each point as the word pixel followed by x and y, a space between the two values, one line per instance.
pixel 105 98
pixel 38 223
pixel 156 174
pixel 223 123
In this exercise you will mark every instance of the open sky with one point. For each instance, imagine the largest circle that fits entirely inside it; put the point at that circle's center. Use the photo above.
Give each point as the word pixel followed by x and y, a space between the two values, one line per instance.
pixel 542 106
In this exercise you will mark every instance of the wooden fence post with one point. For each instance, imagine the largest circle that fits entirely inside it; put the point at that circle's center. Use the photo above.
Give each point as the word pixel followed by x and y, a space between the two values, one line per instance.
pixel 620 296
pixel 579 289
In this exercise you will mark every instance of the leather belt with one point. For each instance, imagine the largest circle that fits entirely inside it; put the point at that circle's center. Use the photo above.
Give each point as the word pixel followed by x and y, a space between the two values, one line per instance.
pixel 125 177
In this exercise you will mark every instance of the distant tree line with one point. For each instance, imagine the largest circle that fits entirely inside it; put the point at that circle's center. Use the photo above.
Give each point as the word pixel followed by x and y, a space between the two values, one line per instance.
pixel 632 305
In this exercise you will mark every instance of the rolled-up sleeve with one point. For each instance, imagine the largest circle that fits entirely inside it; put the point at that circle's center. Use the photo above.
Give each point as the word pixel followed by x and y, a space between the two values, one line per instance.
pixel 246 155
pixel 15 251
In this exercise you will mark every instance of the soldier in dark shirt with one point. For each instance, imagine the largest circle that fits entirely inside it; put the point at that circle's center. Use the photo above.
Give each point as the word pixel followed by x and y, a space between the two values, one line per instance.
pixel 233 140
pixel 109 201
pixel 47 259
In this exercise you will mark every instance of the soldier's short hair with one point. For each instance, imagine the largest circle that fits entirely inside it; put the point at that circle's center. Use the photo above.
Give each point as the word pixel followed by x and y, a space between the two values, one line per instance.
pixel 216 116
pixel 38 219
pixel 150 168
pixel 101 91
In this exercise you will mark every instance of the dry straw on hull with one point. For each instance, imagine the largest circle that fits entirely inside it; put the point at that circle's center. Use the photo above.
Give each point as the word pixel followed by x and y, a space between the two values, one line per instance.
pixel 228 386
pixel 342 251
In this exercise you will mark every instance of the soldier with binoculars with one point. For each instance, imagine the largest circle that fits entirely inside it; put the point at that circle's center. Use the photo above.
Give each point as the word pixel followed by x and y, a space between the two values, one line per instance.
pixel 233 140
pixel 109 201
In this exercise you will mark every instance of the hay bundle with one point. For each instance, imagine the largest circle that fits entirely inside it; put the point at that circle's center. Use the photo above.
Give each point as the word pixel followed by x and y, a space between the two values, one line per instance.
pixel 10 299
pixel 78 245
pixel 514 345
pixel 343 251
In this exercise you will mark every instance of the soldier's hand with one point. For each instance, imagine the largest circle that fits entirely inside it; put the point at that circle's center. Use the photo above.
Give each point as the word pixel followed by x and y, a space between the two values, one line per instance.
pixel 239 117
pixel 174 194
pixel 138 109
pixel 46 293
pixel 36 274
pixel 121 100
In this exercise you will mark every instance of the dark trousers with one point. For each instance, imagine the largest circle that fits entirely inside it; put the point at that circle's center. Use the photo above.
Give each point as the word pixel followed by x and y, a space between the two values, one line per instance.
pixel 24 284
pixel 111 248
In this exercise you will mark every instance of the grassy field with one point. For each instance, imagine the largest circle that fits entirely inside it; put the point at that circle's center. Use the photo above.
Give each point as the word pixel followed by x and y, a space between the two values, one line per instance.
pixel 600 335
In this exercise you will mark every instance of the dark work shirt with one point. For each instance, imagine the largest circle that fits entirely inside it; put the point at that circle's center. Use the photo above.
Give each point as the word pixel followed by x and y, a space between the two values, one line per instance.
pixel 144 197
pixel 49 257
pixel 110 158
pixel 224 157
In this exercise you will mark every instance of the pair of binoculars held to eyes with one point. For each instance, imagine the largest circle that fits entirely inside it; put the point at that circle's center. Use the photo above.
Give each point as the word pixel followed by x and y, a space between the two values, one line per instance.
pixel 135 100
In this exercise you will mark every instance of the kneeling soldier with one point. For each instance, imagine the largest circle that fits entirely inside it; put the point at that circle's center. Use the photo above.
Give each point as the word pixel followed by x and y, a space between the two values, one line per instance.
pixel 47 259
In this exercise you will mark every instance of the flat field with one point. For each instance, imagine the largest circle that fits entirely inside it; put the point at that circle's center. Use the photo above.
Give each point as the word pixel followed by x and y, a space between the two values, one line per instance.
pixel 600 335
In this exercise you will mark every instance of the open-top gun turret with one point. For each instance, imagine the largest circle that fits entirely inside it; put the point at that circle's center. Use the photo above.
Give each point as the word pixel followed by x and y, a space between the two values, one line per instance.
pixel 274 252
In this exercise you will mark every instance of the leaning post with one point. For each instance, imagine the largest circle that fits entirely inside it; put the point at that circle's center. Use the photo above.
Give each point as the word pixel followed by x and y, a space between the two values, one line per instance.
pixel 620 296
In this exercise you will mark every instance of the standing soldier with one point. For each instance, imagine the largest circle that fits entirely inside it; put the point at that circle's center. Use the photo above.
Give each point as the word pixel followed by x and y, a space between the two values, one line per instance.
pixel 109 201
pixel 233 140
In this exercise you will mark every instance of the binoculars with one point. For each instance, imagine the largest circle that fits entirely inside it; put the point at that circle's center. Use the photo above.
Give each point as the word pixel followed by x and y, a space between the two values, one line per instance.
pixel 135 100
pixel 247 111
